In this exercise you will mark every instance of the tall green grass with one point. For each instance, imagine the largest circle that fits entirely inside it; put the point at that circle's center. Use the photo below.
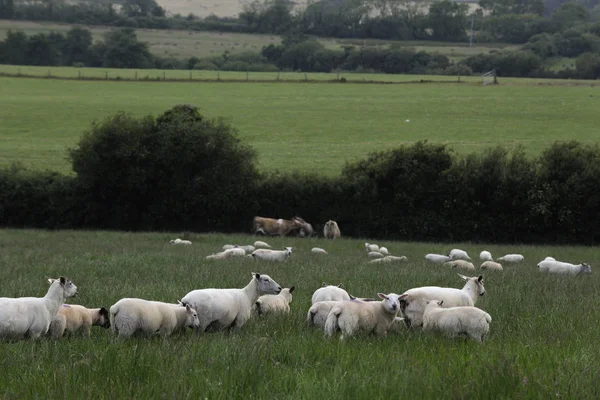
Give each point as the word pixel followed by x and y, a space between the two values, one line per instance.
pixel 542 343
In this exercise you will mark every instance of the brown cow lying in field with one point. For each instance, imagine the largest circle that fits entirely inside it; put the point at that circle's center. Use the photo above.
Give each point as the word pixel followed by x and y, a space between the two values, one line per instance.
pixel 273 227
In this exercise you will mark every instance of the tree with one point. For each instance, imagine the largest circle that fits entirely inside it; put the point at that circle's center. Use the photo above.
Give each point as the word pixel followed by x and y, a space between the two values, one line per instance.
pixel 6 9
pixel 136 8
pixel 77 46
pixel 499 7
pixel 570 14
pixel 123 50
pixel 588 65
pixel 15 48
pixel 448 20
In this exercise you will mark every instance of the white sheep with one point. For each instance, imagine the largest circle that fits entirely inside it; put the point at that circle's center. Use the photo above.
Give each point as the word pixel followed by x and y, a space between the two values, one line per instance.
pixel 261 245
pixel 384 251
pixel 549 259
pixel 248 249
pixel 272 255
pixel 486 256
pixel 455 321
pixel 24 317
pixel 221 309
pixel 351 317
pixel 511 259
pixel 330 293
pixel 491 265
pixel 318 250
pixel 229 253
pixel 371 247
pixel 228 246
pixel 412 302
pixel 375 254
pixel 318 312
pixel 559 267
pixel 458 254
pixel 274 303
pixel 180 242
pixel 461 264
pixel 73 318
pixel 437 258
pixel 388 259
pixel 130 315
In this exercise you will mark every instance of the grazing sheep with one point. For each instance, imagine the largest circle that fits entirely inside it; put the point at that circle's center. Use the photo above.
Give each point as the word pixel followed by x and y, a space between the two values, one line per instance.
pixel 318 250
pixel 371 247
pixel 274 303
pixel 486 256
pixel 272 255
pixel 455 321
pixel 130 315
pixel 559 267
pixel 549 259
pixel 330 293
pixel 457 254
pixel 370 317
pixel 384 251
pixel 318 312
pixel 229 253
pixel 511 259
pixel 461 264
pixel 220 309
pixel 25 317
pixel 437 258
pixel 261 245
pixel 491 265
pixel 181 242
pixel 375 254
pixel 412 302
pixel 331 230
pixel 73 318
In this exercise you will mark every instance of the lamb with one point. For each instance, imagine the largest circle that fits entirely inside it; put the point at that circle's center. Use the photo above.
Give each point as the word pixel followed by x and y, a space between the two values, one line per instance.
pixel 412 302
pixel 272 255
pixel 511 259
pixel 486 256
pixel 330 293
pixel 180 242
pixel 375 254
pixel 73 318
pixel 559 267
pixel 371 317
pixel 371 247
pixel 220 309
pixel 453 321
pixel 229 253
pixel 384 251
pixel 25 317
pixel 457 254
pixel 129 316
pixel 491 265
pixel 274 303
pixel 461 264
pixel 318 312
pixel 261 245
pixel 437 258
pixel 318 250
pixel 331 230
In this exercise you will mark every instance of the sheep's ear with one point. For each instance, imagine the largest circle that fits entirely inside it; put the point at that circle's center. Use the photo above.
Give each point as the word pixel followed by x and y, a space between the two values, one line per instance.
pixel 480 278
pixel 341 285
pixel 188 307
pixel 403 297
pixel 62 280
pixel 256 275
pixel 382 296
pixel 466 278
pixel 51 281
pixel 180 303
pixel 352 297
pixel 324 284
pixel 292 289
pixel 440 302
pixel 103 311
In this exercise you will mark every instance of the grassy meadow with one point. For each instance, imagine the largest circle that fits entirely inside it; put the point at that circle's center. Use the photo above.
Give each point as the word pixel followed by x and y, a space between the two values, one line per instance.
pixel 304 127
pixel 542 342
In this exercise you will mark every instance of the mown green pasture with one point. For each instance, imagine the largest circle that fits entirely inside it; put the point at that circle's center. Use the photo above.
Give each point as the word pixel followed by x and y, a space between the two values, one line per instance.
pixel 305 127
pixel 543 341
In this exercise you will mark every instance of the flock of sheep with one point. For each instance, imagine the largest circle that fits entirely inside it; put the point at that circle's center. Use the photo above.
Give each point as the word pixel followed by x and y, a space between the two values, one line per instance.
pixel 448 310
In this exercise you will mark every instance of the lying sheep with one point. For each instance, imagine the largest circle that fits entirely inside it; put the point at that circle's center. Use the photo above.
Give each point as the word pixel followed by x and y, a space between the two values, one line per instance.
pixel 248 249
pixel 412 302
pixel 272 255
pixel 181 242
pixel 24 317
pixel 130 315
pixel 454 321
pixel 437 258
pixel 261 245
pixel 388 259
pixel 330 293
pixel 318 250
pixel 228 246
pixel 375 254
pixel 559 267
pixel 458 254
pixel 73 318
pixel 460 264
pixel 549 259
pixel 384 251
pixel 274 303
pixel 351 317
pixel 229 253
pixel 221 309
pixel 511 259
pixel 331 230
pixel 371 247
pixel 486 256
pixel 491 265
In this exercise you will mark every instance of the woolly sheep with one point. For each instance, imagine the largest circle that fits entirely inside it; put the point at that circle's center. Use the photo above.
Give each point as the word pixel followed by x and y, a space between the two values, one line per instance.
pixel 437 258
pixel 272 255
pixel 24 317
pixel 388 259
pixel 331 230
pixel 511 259
pixel 318 250
pixel 131 315
pixel 412 302
pixel 384 251
pixel 486 256
pixel 371 247
pixel 248 249
pixel 549 259
pixel 491 265
pixel 228 246
pixel 229 253
pixel 220 309
pixel 330 293
pixel 261 245
pixel 73 318
pixel 375 254
pixel 274 303
pixel 179 241
pixel 454 321
pixel 318 312
pixel 351 317
pixel 458 254
pixel 461 264
pixel 559 267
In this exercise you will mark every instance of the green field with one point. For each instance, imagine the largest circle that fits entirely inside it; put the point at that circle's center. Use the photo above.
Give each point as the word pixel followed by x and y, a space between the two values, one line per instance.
pixel 304 127
pixel 543 341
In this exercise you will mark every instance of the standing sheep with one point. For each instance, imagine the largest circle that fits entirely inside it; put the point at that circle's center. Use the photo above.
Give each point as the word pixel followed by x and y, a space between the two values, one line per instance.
pixel 272 255
pixel 458 254
pixel 330 293
pixel 371 247
pixel 274 303
pixel 511 259
pixel 220 309
pixel 331 230
pixel 25 317
pixel 318 250
pixel 454 321
pixel 486 256
pixel 72 318
pixel 259 244
pixel 437 258
pixel 491 265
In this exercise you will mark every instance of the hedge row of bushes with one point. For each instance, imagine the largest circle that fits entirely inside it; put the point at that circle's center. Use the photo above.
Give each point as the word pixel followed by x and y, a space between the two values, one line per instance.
pixel 183 171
